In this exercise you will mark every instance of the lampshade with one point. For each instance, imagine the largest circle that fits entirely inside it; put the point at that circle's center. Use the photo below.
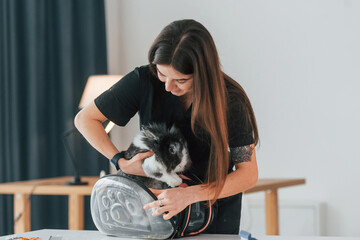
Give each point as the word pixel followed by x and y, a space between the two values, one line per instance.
pixel 95 85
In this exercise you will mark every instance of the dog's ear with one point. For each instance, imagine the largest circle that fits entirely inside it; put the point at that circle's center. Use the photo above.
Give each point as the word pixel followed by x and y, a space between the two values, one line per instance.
pixel 174 130
pixel 150 135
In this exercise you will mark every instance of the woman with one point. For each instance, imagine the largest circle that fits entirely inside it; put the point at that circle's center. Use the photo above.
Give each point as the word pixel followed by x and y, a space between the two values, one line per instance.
pixel 184 85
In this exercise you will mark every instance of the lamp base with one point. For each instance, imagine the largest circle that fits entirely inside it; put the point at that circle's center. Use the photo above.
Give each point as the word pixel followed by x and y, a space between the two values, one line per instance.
pixel 76 181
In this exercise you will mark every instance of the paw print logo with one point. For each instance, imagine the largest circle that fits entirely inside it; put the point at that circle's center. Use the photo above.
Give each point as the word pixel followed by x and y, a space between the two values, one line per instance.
pixel 121 208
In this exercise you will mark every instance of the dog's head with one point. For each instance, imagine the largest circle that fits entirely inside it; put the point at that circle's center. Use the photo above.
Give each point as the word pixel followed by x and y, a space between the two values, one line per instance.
pixel 168 145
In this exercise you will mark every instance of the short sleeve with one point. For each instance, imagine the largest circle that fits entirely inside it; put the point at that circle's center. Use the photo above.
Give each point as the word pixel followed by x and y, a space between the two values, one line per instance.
pixel 122 101
pixel 239 126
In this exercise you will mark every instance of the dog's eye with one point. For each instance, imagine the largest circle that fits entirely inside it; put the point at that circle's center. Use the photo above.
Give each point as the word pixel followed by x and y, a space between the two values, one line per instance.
pixel 172 149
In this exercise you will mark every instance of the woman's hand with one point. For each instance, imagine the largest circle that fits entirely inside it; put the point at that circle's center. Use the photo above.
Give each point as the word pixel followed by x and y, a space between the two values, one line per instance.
pixel 172 201
pixel 133 166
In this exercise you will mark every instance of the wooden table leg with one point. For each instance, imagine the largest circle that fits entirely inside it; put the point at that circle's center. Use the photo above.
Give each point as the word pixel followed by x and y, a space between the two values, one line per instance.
pixel 76 212
pixel 22 213
pixel 272 212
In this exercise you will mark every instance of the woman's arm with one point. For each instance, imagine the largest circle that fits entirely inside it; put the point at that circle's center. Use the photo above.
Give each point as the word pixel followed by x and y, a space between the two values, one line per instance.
pixel 175 200
pixel 89 123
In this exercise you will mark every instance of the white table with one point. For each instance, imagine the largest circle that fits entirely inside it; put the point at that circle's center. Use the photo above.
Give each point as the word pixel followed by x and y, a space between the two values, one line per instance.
pixel 45 234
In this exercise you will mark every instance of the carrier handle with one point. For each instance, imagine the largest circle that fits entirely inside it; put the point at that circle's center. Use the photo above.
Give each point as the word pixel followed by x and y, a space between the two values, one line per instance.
pixel 156 192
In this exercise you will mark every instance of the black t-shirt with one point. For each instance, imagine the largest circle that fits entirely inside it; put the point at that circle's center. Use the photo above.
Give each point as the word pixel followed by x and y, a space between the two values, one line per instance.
pixel 143 93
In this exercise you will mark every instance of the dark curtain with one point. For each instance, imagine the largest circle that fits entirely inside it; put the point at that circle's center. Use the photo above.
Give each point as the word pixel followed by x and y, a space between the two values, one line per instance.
pixel 48 48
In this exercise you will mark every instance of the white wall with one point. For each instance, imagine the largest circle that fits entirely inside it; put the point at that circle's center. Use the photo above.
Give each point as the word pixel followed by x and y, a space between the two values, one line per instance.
pixel 299 62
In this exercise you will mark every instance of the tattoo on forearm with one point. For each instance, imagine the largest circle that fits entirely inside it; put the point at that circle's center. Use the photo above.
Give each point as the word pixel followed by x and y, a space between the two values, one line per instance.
pixel 241 154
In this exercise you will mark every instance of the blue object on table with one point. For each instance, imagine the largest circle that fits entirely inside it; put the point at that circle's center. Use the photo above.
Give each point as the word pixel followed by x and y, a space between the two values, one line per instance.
pixel 244 235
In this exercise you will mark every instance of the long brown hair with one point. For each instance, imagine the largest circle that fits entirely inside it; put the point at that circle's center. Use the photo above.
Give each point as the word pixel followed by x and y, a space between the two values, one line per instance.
pixel 188 47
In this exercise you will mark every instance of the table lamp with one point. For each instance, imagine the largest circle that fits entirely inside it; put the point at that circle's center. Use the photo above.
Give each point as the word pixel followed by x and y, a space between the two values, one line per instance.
pixel 95 85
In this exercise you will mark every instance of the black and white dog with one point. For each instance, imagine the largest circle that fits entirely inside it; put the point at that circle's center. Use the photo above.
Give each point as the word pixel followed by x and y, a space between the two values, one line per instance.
pixel 171 155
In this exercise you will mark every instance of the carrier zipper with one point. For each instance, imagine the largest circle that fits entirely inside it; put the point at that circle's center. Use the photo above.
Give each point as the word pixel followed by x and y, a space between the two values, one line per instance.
pixel 206 225
pixel 175 232
pixel 187 221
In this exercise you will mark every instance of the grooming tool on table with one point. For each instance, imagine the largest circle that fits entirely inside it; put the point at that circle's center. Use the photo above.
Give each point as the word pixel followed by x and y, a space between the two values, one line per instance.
pixel 245 236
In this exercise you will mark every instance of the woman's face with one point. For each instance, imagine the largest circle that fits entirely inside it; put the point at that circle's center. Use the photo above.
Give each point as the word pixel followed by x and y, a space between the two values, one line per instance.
pixel 175 82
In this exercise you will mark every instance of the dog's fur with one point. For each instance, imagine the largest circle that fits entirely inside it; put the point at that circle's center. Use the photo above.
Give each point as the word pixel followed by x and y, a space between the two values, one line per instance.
pixel 171 155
